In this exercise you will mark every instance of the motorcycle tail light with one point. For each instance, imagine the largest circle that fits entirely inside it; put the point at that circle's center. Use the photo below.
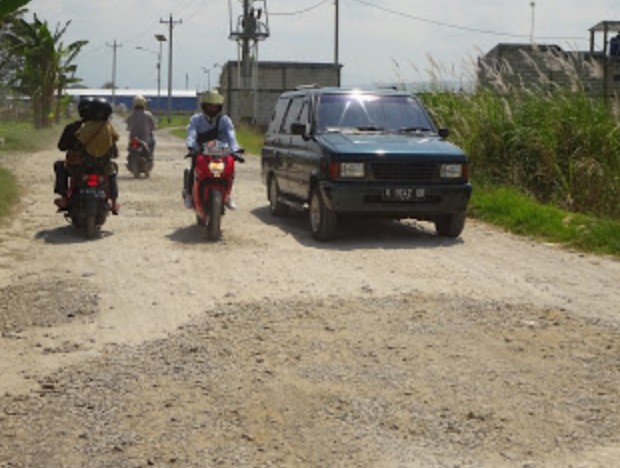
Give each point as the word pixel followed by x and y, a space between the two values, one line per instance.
pixel 92 180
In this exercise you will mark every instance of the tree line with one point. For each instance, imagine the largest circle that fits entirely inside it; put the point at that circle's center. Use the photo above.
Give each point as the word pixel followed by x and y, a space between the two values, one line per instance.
pixel 35 61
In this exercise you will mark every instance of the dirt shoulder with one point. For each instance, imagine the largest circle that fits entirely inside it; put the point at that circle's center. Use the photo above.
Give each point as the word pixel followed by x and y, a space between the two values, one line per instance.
pixel 387 347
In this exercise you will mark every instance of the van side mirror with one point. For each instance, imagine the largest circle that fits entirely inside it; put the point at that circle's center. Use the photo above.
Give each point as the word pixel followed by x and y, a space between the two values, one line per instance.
pixel 299 129
pixel 443 132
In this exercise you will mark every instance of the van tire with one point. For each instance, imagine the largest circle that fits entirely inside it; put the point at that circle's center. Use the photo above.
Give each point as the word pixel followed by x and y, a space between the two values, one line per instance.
pixel 323 221
pixel 276 207
pixel 450 225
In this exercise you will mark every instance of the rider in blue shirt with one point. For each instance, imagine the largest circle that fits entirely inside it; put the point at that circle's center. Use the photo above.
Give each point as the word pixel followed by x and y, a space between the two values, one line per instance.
pixel 211 119
pixel 210 125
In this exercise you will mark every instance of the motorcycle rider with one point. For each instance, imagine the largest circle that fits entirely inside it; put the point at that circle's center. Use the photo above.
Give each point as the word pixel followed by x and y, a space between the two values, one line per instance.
pixel 84 137
pixel 98 140
pixel 141 123
pixel 69 143
pixel 213 127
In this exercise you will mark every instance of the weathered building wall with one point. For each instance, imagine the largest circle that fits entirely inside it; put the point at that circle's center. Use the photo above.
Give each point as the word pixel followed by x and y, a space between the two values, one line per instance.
pixel 273 79
pixel 526 66
pixel 540 68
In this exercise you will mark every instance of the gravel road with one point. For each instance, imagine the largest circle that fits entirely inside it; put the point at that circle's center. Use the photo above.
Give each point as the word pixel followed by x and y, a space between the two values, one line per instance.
pixel 389 347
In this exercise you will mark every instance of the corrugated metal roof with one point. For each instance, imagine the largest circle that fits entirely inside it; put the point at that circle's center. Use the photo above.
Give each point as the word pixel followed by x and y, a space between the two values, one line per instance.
pixel 613 26
pixel 129 92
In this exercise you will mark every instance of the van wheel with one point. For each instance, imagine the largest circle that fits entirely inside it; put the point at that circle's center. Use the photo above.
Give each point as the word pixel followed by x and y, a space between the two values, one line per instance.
pixel 450 225
pixel 323 221
pixel 276 207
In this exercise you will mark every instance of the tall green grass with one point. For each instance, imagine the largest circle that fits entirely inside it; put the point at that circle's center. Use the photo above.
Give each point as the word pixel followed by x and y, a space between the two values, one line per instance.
pixel 563 148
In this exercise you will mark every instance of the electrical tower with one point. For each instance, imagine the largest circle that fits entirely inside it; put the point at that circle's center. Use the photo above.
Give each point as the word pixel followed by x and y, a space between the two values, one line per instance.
pixel 250 27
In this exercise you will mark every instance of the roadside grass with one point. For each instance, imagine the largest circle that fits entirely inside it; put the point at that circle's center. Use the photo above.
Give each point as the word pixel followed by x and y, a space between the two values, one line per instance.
pixel 9 193
pixel 249 138
pixel 19 137
pixel 517 213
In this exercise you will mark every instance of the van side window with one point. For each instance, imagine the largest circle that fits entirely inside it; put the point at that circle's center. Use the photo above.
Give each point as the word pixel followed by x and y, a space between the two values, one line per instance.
pixel 293 113
pixel 278 114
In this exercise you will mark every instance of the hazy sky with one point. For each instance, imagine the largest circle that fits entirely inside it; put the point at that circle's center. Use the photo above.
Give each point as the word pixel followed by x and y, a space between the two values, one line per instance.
pixel 379 40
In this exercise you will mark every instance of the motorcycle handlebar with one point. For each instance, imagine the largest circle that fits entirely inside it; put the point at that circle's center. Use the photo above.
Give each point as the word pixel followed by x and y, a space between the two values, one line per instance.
pixel 237 155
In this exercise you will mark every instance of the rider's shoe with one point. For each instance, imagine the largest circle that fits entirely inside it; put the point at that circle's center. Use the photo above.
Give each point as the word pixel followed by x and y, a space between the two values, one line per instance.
pixel 115 206
pixel 188 201
pixel 230 204
pixel 61 202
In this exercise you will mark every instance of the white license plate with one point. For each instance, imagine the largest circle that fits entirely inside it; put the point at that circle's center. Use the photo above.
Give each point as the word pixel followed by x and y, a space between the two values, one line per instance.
pixel 403 194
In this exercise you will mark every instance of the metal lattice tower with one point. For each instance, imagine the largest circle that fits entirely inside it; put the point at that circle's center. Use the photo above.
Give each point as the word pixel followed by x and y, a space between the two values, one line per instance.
pixel 250 27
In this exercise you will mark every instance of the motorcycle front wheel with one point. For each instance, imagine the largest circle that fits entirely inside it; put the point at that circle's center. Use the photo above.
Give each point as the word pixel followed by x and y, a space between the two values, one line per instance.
pixel 214 209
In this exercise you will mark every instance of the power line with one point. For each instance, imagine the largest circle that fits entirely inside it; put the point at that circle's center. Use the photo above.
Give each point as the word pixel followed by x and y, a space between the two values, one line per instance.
pixel 456 26
pixel 299 12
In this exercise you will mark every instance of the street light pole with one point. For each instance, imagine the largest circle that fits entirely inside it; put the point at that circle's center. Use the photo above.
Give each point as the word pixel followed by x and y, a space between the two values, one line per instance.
pixel 207 72
pixel 171 24
pixel 161 39
pixel 158 62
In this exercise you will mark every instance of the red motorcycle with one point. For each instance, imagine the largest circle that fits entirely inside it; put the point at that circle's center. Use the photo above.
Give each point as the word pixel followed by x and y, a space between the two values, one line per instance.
pixel 139 157
pixel 214 170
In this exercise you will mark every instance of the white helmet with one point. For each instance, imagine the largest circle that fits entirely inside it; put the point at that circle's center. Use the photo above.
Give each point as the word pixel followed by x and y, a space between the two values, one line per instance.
pixel 139 101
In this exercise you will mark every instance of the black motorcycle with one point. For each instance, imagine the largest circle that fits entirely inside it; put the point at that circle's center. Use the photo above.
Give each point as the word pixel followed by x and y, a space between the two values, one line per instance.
pixel 88 205
pixel 139 157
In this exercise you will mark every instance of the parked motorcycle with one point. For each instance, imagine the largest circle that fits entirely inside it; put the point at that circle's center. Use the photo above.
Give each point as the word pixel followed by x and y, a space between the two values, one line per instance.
pixel 88 205
pixel 211 186
pixel 139 157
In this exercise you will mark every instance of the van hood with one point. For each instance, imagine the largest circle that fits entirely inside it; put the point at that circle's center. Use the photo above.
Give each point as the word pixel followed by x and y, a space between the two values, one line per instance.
pixel 386 143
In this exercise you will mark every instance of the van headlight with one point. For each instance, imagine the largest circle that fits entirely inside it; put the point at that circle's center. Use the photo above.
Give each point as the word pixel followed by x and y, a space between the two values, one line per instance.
pixel 352 170
pixel 451 171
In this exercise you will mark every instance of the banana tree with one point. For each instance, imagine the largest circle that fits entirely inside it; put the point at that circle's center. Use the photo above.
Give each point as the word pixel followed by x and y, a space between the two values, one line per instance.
pixel 9 6
pixel 65 68
pixel 46 65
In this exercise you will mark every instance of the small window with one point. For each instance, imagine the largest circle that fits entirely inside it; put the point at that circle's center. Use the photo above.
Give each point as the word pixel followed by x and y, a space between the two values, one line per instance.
pixel 293 114
pixel 278 114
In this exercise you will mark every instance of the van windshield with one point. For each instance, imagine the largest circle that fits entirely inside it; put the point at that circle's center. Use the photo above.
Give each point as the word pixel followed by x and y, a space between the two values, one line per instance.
pixel 370 112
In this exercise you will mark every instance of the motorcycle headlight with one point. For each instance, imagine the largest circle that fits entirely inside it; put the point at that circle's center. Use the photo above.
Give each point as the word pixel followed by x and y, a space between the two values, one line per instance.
pixel 216 167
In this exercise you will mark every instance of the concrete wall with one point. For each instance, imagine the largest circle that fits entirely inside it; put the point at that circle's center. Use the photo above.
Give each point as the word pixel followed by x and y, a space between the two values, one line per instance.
pixel 546 67
pixel 273 79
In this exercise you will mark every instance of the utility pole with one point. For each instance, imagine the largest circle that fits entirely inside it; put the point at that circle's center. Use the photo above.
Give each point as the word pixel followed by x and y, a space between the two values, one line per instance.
pixel 171 24
pixel 336 32
pixel 114 47
pixel 532 5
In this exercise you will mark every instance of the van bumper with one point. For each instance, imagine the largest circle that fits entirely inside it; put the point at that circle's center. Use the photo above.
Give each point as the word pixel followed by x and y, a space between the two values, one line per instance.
pixel 395 200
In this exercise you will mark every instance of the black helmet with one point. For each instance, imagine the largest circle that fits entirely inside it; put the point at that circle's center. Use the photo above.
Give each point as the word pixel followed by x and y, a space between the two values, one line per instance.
pixel 84 107
pixel 101 109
